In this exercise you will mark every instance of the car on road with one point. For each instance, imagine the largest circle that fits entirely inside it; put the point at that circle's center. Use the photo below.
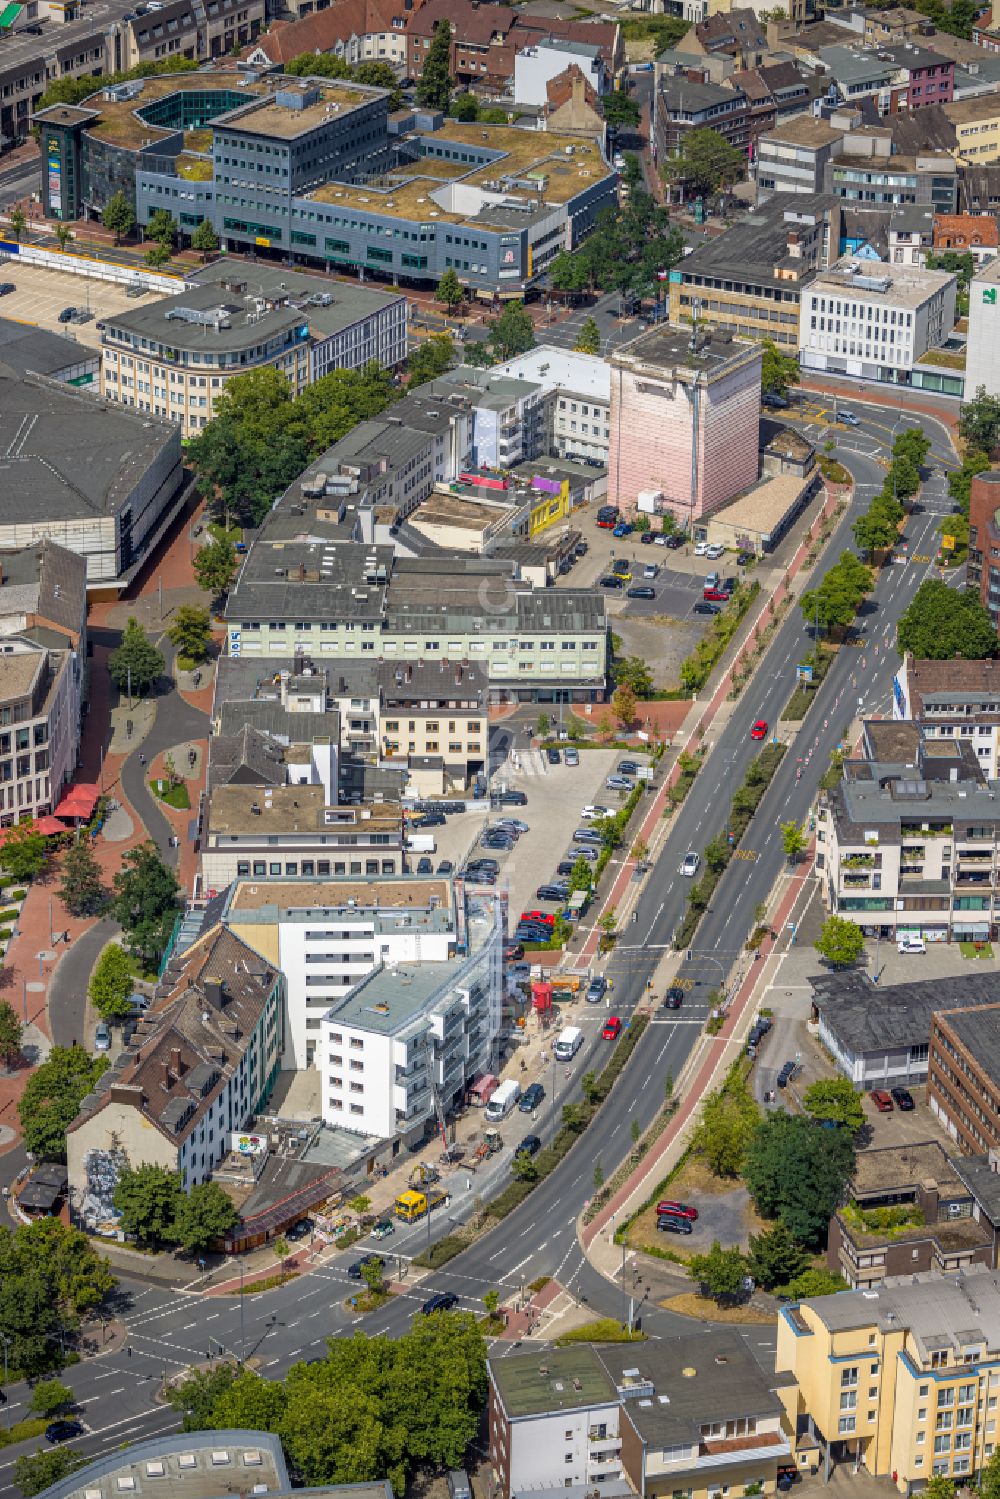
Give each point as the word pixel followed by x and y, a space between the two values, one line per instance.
pixel 669 1223
pixel 882 1100
pixel 383 1229
pixel 66 316
pixel 910 942
pixel 63 1431
pixel 690 864
pixel 903 1099
pixel 640 591
pixel 704 608
pixel 513 799
pixel 612 1028
pixel 531 1098
pixel 596 989
pixel 300 1230
pixel 357 1270
pixel 651 570
pixel 610 581
pixel 102 1037
pixel 553 756
pixel 674 997
pixel 425 865
pixel 619 783
pixel 444 1301
pixel 594 811
pixel 848 417
pixel 679 1209
pixel 759 730
pixel 571 756
pixel 529 1146
pixel 785 1075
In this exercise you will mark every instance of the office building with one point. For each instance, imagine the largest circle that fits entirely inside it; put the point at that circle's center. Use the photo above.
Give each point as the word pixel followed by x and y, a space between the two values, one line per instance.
pixel 175 357
pixel 576 394
pixel 507 414
pixel 792 155
pixel 394 990
pixel 953 700
pixel 963 1076
pixel 682 104
pixel 685 408
pixel 907 1211
pixel 870 170
pixel 983 571
pixel 101 482
pixel 982 368
pixel 307 169
pixel 681 1415
pixel 40 702
pixel 901 1379
pixel 199 1066
pixel 875 322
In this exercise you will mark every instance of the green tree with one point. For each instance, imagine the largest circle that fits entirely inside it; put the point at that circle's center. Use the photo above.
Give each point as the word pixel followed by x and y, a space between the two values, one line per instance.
pixel 203 1215
pixel 568 274
pixel 623 705
pixel 430 359
pixel 147 1197
pixel 82 892
pixel 215 565
pixel 813 1283
pixel 24 851
pixel 434 84
pixel 49 1397
pixel 581 876
pixel 136 662
pixel 450 292
pixel 840 941
pixel 162 227
pixel 632 672
pixel 246 1403
pixel 491 1301
pixel 913 443
pixel 64 235
pixel 793 840
pixel 331 1437
pixel 204 239
pixel 877 529
pixel 778 371
pixel 377 74
pixel 589 340
pixel 281 1249
pixel 989 1477
pixel 373 1275
pixel 523 1168
pixel 201 1394
pixel 318 65
pixel 18 223
pixel 939 1487
pixel 10 1034
pixel 513 332
pixel 797 1172
pixel 721 1272
pixel 728 1119
pixel 52 1097
pixel 621 111
pixel 835 1098
pixel 775 1256
pixel 465 107
pixel 111 983
pixel 979 423
pixel 119 216
pixel 158 253
pixel 960 479
pixel 49 1276
pixel 941 624
pixel 706 162
pixel 35 1471
pixel 834 601
pixel 146 902
pixel 191 632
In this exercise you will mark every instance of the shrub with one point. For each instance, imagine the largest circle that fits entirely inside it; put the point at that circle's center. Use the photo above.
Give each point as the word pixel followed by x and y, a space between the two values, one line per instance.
pixel 5 933
pixel 15 894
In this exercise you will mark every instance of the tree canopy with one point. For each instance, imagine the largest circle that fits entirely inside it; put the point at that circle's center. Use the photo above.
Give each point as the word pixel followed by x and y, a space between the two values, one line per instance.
pixel 834 601
pixel 589 338
pixel 979 423
pixel 49 1277
pixel 329 65
pixel 202 1215
pixel 835 1099
pixel 721 1273
pixel 705 163
pixel 215 565
pixel 82 891
pixel 625 251
pixel 796 1172
pixel 941 623
pixel 52 1097
pixel 778 371
pixel 111 983
pixel 432 357
pixel 25 851
pixel 136 664
pixel 512 333
pixel 147 1198
pixel 118 215
pixel 840 941
pixel 435 82
pixel 146 902
pixel 776 1256
pixel 728 1119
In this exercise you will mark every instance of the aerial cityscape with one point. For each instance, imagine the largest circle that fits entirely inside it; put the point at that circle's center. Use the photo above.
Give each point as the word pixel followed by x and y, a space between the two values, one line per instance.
pixel 499 749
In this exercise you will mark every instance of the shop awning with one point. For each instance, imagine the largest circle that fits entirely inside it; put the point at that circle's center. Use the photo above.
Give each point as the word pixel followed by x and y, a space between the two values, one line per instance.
pixel 9 14
pixel 79 801
pixel 48 826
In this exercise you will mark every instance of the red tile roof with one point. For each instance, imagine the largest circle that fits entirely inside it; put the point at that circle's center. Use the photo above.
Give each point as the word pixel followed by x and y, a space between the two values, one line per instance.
pixel 322 31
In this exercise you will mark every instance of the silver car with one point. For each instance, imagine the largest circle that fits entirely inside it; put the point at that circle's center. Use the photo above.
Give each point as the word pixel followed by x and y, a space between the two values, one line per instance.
pixel 690 863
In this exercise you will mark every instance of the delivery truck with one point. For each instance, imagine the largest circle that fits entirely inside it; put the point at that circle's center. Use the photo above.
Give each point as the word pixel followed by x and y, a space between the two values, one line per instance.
pixel 412 1205
pixel 421 843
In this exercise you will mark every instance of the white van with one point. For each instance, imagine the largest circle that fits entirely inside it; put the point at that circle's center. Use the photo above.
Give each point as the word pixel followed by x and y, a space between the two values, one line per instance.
pixel 503 1101
pixel 567 1043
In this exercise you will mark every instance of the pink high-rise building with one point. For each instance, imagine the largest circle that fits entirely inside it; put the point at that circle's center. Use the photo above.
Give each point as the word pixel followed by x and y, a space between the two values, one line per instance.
pixel 685 414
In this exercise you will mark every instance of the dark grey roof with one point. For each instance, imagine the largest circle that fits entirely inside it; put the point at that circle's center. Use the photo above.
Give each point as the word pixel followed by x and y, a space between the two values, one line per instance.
pixel 751 251
pixel 684 96
pixel 24 347
pixel 248 756
pixel 868 1017
pixel 978 1174
pixel 48 580
pixel 276 723
pixel 979 1032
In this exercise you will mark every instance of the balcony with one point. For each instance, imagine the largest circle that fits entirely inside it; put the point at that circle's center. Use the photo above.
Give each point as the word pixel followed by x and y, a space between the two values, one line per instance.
pixel 939 830
pixel 603 1442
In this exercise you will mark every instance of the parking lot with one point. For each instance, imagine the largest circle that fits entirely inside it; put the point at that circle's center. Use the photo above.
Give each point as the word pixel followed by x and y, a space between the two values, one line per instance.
pixel 42 294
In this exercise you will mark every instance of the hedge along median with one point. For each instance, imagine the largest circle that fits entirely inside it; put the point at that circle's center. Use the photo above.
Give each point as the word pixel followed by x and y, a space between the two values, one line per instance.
pixel 697 668
pixel 576 1117
pixel 719 851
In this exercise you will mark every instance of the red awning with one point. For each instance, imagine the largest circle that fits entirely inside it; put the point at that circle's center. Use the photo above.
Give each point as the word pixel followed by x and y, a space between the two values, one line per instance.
pixel 79 801
pixel 47 825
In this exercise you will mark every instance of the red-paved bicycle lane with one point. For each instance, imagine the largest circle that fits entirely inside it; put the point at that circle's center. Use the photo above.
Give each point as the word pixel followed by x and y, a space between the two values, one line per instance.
pixel 624 876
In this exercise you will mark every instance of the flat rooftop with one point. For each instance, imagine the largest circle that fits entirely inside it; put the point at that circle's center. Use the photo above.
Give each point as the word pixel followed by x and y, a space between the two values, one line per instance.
pixel 763 508
pixel 907 286
pixel 190 1465
pixel 280 899
pixel 671 351
pixel 563 1380
pixel 287 121
pixel 285 810
pixel 898 1166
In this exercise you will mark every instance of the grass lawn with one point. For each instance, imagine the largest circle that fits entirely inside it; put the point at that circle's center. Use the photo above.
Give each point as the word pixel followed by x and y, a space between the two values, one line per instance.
pixel 702 1307
pixel 604 1330
pixel 174 796
pixel 234 534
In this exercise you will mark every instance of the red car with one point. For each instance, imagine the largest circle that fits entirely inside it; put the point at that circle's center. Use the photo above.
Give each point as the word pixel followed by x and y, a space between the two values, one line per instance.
pixel 612 1028
pixel 678 1209
pixel 715 595
pixel 607 525
pixel 759 730
pixel 545 917
pixel 882 1100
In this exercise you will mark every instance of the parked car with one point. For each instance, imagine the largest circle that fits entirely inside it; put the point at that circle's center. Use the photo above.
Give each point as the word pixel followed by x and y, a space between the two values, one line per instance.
pixel 6 287
pixel 512 951
pixel 557 892
pixel 356 1271
pixel 514 824
pixel 596 989
pixel 759 730
pixel 679 1209
pixel 300 1230
pixel 102 1037
pixel 651 570
pixel 910 942
pixel 660 540
pixel 704 608
pixel 571 756
pixel 444 1301
pixel 66 316
pixel 612 1028
pixel 594 811
pixel 882 1100
pixel 545 917
pixel 618 783
pixel 531 1098
pixel 785 1075
pixel 669 1223
pixel 565 866
pixel 711 580
pixel 63 1431
pixel 646 538
pixel 744 559
pixel 586 835
pixel 513 799
pixel 903 1099
pixel 715 596
pixel 676 541
pixel 690 864
pixel 700 548
pixel 553 756
pixel 674 997
pixel 623 528
pixel 429 820
pixel 446 867
pixel 582 548
pixel 640 591
pixel 715 551
pixel 775 400
pixel 610 581
pixel 627 768
pixel 622 568
pixel 530 1145
pixel 425 865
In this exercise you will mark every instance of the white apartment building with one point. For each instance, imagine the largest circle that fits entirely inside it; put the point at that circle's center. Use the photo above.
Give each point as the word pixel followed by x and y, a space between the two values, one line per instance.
pixel 577 395
pixel 874 322
pixel 535 67
pixel 982 363
pixel 393 990
pixel 40 696
pixel 953 700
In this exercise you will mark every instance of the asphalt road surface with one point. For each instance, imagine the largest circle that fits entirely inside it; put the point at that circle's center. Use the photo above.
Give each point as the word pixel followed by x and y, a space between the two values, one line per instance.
pixel 170 1329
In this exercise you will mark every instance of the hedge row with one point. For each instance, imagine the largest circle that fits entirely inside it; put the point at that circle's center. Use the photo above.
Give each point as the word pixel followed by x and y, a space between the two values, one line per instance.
pixel 696 669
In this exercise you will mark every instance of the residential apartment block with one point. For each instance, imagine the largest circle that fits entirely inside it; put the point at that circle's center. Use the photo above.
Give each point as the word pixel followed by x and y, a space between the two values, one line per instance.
pixel 576 395
pixel 957 700
pixel 682 104
pixel 486 40
pixel 982 367
pixel 792 155
pixel 902 1379
pixel 963 1076
pixel 685 408
pixel 355 30
pixel 200 1065
pixel 175 357
pixel 874 322
pixel 40 700
pixel 687 1415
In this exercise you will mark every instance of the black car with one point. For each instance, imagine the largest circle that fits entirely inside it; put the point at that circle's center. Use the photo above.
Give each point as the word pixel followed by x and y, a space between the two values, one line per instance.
pixel 627 768
pixel 707 609
pixel 669 1223
pixel 300 1230
pixel 429 820
pixel 785 1074
pixel 425 865
pixel 532 932
pixel 610 581
pixel 62 1431
pixel 446 867
pixel 481 866
pixel 565 866
pixel 552 892
pixel 774 399
pixel 641 591
pixel 744 559
pixel 6 287
pixel 531 1098
pixel 66 316
pixel 582 549
pixel 356 1271
pixel 675 542
pixel 442 1302
pixel 530 1145
pixel 553 756
pixel 903 1099
pixel 512 951
pixel 646 538
pixel 512 799
pixel 674 997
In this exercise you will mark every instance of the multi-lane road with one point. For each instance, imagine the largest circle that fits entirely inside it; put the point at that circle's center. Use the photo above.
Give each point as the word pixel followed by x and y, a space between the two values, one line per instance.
pixel 170 1329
